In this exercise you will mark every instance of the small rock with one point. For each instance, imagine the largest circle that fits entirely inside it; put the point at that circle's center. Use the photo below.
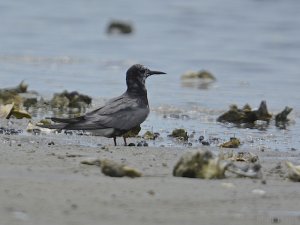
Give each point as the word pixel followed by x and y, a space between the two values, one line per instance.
pixel 233 143
pixel 275 220
pixel 51 143
pixel 206 143
pixel 105 148
pixel 201 138
pixel 142 143
pixel 151 192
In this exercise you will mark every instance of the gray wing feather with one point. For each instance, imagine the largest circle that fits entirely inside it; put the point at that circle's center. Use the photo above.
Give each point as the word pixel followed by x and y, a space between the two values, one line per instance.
pixel 120 113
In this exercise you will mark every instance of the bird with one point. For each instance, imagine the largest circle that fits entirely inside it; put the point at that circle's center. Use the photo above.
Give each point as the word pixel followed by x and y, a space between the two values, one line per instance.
pixel 120 114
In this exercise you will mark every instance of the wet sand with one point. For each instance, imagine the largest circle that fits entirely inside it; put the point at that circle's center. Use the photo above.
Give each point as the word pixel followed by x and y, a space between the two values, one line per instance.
pixel 47 184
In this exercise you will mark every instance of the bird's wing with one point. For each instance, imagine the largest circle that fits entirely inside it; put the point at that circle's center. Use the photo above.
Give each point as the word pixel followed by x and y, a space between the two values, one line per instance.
pixel 121 113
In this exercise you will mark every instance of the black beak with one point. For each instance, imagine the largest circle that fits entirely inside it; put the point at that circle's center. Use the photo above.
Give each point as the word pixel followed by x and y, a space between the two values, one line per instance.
pixel 154 72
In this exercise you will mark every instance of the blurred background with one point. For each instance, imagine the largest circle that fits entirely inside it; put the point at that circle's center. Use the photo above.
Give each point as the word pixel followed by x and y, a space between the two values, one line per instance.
pixel 252 47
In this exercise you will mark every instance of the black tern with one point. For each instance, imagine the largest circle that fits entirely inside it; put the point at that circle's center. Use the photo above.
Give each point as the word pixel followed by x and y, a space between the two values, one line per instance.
pixel 119 115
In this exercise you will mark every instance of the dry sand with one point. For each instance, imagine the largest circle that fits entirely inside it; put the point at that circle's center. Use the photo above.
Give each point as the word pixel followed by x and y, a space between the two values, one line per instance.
pixel 46 184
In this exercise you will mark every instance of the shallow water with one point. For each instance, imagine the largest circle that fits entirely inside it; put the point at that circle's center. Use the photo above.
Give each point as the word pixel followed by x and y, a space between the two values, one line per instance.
pixel 252 47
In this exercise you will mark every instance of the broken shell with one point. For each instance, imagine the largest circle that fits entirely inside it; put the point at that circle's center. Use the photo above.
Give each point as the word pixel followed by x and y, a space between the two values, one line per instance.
pixel 249 170
pixel 31 128
pixel 239 156
pixel 20 114
pixel 91 161
pixel 113 169
pixel 294 171
pixel 6 110
pixel 200 165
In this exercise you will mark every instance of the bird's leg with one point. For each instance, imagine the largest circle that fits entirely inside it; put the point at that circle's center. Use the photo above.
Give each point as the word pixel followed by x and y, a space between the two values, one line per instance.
pixel 115 141
pixel 125 143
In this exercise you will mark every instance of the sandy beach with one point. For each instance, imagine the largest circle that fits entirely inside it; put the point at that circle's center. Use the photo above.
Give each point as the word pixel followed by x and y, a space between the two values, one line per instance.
pixel 47 184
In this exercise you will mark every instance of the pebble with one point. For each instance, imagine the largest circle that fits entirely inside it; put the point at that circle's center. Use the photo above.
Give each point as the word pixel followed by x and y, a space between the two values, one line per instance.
pixel 201 138
pixel 258 192
pixel 142 143
pixel 228 185
pixel 206 143
pixel 9 131
pixel 51 143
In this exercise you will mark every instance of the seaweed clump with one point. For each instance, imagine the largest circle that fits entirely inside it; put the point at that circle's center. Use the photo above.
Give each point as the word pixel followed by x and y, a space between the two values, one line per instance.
pixel 179 134
pixel 249 117
pixel 246 114
pixel 72 99
pixel 281 118
pixel 119 27
pixel 203 164
pixel 232 143
pixel 133 132
pixel 12 95
pixel 14 101
pixel 200 79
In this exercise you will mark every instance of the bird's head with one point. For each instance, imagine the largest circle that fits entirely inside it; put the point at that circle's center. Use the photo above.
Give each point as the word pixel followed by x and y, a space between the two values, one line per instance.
pixel 136 76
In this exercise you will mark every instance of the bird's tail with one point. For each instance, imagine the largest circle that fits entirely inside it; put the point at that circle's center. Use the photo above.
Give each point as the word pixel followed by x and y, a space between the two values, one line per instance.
pixel 61 122
pixel 66 120
pixel 58 126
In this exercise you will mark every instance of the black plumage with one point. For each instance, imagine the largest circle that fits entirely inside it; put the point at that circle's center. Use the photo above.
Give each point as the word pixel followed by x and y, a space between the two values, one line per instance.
pixel 118 115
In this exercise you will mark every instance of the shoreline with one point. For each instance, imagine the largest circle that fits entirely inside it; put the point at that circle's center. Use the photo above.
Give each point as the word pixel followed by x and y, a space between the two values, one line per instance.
pixel 47 184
